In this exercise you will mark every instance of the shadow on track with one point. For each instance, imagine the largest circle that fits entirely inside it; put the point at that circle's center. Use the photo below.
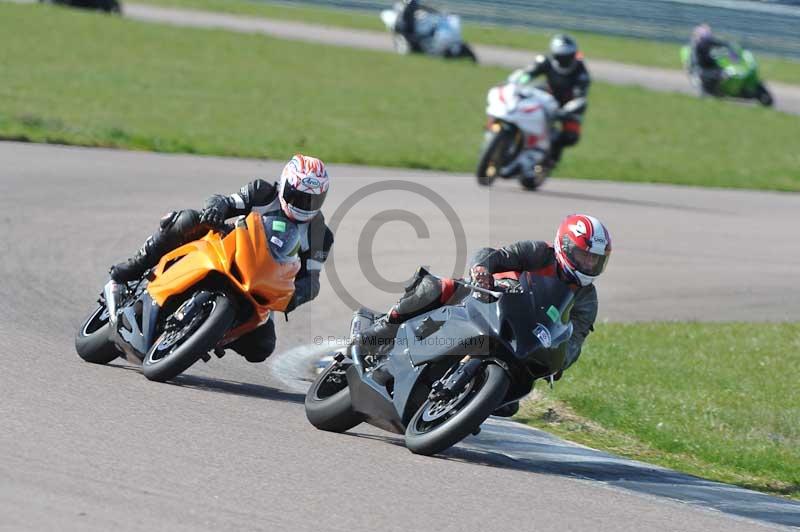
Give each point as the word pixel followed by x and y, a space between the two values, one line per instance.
pixel 244 389
pixel 623 201
pixel 511 446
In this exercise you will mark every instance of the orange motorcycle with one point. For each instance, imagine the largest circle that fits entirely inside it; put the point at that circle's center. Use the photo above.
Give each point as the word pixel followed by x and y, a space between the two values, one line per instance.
pixel 200 297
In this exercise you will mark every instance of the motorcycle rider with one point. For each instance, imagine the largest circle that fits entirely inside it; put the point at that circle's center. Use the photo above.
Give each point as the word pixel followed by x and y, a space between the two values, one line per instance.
pixel 703 42
pixel 406 22
pixel 567 80
pixel 299 195
pixel 578 255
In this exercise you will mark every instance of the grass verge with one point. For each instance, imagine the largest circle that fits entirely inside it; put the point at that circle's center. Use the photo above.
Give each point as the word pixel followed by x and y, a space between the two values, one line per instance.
pixel 204 91
pixel 622 49
pixel 712 400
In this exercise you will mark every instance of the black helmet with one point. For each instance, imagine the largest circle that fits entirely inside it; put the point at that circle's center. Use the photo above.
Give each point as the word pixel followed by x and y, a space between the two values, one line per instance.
pixel 563 48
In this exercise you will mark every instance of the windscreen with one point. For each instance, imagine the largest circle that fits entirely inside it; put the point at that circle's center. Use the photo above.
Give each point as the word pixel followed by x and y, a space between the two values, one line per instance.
pixel 283 237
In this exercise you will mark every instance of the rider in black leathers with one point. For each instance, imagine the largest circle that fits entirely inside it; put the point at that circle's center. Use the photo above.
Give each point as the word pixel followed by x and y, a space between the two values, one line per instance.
pixel 426 292
pixel 567 80
pixel 180 227
pixel 406 22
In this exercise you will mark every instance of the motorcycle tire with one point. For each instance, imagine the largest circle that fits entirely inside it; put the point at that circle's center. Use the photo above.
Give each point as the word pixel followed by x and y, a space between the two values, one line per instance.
pixel 93 342
pixel 329 407
pixel 532 183
pixel 763 96
pixel 161 366
pixel 484 397
pixel 491 156
pixel 467 53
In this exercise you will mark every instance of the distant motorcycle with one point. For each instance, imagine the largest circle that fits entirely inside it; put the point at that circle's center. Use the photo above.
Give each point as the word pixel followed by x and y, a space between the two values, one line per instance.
pixel 200 297
pixel 436 33
pixel 740 77
pixel 448 370
pixel 521 117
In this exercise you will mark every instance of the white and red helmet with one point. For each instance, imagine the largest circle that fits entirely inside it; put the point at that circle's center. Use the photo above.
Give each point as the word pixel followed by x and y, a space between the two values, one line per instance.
pixel 303 187
pixel 582 246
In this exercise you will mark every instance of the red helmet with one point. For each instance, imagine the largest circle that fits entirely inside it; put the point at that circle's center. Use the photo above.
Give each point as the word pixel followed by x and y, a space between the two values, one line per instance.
pixel 582 246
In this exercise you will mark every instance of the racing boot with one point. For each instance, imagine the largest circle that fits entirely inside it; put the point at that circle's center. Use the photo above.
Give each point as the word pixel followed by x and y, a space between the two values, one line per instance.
pixel 423 293
pixel 134 267
pixel 380 335
pixel 175 229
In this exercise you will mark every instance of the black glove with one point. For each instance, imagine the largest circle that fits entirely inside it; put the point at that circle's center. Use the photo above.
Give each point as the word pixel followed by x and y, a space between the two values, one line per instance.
pixel 214 215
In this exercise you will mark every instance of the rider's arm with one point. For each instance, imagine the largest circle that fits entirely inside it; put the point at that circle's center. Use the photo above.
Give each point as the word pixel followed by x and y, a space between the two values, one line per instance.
pixel 582 316
pixel 520 256
pixel 540 66
pixel 582 82
pixel 306 284
pixel 253 194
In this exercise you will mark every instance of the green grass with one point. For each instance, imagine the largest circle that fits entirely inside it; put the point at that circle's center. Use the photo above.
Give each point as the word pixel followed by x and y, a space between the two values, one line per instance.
pixel 202 91
pixel 626 50
pixel 716 400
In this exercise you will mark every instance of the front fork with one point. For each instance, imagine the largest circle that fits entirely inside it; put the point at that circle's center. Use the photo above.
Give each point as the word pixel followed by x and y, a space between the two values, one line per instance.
pixel 455 380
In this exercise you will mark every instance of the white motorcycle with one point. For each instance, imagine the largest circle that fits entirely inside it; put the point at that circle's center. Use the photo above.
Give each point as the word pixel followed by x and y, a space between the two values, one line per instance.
pixel 520 128
pixel 436 33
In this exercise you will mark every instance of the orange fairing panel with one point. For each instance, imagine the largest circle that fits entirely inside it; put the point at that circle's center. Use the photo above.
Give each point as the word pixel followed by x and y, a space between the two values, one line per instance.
pixel 268 284
pixel 190 264
pixel 263 278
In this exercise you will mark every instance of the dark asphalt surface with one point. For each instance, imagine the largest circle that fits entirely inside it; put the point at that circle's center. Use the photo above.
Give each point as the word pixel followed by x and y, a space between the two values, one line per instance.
pixel 227 447
pixel 787 97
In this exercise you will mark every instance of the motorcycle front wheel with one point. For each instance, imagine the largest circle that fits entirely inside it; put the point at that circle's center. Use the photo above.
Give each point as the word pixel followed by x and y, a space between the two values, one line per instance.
pixel 763 96
pixel 176 349
pixel 328 404
pixel 493 155
pixel 438 425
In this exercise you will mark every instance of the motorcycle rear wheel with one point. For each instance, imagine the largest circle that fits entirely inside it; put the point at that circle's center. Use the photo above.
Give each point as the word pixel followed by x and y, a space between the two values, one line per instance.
pixel 168 358
pixel 465 52
pixel 476 403
pixel 328 404
pixel 532 183
pixel 92 341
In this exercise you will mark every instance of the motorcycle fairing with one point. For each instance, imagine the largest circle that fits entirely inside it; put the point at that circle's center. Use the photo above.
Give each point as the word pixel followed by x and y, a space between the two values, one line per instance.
pixel 471 327
pixel 135 340
pixel 529 108
pixel 382 409
pixel 242 257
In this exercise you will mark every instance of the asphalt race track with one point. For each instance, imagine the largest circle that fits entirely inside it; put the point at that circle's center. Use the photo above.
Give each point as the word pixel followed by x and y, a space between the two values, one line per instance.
pixel 227 446
pixel 787 97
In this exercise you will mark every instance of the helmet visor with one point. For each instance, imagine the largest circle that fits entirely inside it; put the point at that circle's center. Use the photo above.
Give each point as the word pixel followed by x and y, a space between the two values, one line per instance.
pixel 588 263
pixel 304 201
pixel 565 60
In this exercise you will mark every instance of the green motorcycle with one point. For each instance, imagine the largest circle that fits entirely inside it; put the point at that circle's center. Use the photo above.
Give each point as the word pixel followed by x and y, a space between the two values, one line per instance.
pixel 739 74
